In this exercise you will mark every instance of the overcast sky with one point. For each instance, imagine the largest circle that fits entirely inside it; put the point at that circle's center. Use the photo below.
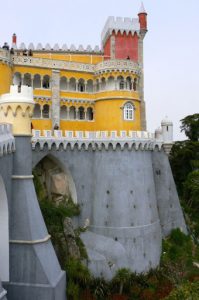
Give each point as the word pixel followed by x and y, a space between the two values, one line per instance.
pixel 171 44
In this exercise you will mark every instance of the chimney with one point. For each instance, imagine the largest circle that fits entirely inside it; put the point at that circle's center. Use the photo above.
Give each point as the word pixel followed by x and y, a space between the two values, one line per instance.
pixel 14 41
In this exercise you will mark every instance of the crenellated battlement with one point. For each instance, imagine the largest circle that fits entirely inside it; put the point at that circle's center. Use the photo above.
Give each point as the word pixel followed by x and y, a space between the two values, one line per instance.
pixel 57 48
pixel 17 94
pixel 7 141
pixel 126 25
pixel 95 140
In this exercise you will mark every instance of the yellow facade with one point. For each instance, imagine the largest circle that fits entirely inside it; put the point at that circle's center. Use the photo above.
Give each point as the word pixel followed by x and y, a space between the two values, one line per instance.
pixel 91 94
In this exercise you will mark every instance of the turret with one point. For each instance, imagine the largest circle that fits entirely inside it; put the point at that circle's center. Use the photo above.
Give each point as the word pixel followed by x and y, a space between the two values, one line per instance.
pixel 14 41
pixel 142 18
pixel 120 38
pixel 167 130
pixel 16 108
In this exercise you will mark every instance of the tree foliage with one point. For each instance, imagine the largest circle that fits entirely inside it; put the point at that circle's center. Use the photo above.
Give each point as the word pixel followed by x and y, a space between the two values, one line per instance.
pixel 190 126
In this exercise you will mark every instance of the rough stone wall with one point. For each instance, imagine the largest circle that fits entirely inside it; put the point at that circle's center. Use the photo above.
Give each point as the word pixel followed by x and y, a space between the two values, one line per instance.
pixel 125 202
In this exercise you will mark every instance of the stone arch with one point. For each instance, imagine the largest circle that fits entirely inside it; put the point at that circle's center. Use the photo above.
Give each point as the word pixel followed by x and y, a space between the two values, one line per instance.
pixel 4 233
pixel 56 174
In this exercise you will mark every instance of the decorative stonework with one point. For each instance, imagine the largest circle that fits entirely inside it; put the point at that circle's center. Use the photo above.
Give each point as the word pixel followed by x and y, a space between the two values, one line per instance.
pixel 126 25
pixel 55 98
pixel 109 65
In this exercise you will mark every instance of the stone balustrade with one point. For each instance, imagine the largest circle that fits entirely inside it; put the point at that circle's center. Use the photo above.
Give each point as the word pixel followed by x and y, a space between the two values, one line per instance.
pixel 7 142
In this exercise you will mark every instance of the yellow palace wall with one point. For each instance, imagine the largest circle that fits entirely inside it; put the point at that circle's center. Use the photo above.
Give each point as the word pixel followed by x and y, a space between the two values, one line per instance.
pixel 107 105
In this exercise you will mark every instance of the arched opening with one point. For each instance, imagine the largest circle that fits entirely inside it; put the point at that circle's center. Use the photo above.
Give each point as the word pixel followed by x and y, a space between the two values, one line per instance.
pixel 37 111
pixel 81 113
pixel 128 83
pixel 135 84
pixel 111 84
pixel 89 114
pixel 46 111
pixel 46 82
pixel 121 83
pixel 103 84
pixel 89 87
pixel 72 113
pixel 4 233
pixel 17 78
pixel 63 84
pixel 27 80
pixel 81 85
pixel 72 84
pixel 37 81
pixel 63 112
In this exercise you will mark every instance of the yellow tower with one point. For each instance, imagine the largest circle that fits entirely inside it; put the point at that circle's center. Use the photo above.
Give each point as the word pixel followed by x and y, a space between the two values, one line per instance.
pixel 16 108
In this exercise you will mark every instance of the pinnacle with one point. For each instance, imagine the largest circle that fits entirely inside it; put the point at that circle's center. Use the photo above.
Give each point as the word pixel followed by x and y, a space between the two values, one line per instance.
pixel 142 9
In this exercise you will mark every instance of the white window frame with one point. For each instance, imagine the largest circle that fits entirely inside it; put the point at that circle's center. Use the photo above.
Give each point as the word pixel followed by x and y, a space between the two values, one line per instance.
pixel 128 111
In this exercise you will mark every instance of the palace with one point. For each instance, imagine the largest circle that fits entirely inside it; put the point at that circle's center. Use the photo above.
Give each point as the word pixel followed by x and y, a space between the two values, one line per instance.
pixel 78 116
pixel 83 89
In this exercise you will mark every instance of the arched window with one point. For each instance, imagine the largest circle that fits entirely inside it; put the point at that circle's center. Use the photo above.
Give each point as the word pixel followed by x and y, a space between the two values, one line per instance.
pixel 45 111
pixel 89 88
pixel 72 84
pixel 63 112
pixel 81 85
pixel 81 113
pixel 27 80
pixel 37 81
pixel 63 83
pixel 89 114
pixel 128 111
pixel 121 83
pixel 17 79
pixel 37 111
pixel 72 113
pixel 46 82
pixel 135 84
pixel 128 83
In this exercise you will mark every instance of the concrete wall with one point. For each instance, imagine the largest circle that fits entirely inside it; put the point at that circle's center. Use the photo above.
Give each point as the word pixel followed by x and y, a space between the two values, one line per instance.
pixel 127 204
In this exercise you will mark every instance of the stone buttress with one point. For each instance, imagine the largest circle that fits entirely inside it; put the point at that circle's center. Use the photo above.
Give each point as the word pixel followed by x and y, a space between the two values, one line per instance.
pixel 34 269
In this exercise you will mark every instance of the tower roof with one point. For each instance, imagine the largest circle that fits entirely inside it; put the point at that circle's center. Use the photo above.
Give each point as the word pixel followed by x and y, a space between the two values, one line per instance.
pixel 142 9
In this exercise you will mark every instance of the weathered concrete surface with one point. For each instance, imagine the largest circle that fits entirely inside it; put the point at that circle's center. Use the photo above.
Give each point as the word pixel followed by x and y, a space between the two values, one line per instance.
pixel 124 201
pixel 34 269
pixel 3 292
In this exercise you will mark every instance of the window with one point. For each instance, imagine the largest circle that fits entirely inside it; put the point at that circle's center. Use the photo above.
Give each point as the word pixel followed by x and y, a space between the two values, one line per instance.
pixel 45 111
pixel 128 111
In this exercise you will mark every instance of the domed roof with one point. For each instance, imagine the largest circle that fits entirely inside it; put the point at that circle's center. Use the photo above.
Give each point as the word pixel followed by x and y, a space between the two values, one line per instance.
pixel 166 121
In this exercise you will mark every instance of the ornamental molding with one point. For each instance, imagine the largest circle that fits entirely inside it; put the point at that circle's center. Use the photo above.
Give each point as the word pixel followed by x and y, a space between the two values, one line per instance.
pixel 106 66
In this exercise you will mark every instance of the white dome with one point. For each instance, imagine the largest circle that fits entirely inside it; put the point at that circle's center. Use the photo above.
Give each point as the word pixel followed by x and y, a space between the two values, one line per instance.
pixel 166 121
